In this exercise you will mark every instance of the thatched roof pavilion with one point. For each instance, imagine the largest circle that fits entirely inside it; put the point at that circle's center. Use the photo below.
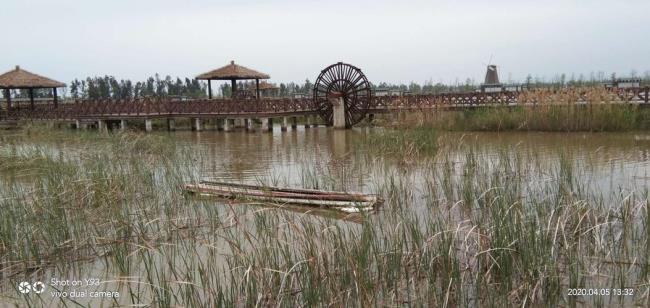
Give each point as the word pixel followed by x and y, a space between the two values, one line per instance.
pixel 266 87
pixel 232 72
pixel 21 79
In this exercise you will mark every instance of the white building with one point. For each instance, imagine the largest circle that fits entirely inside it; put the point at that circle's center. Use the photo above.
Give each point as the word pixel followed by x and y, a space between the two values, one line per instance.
pixel 631 82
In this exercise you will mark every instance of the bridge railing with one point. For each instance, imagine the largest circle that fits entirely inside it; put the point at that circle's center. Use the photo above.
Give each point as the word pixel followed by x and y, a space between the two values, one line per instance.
pixel 159 107
pixel 108 108
pixel 592 96
pixel 428 101
pixel 540 96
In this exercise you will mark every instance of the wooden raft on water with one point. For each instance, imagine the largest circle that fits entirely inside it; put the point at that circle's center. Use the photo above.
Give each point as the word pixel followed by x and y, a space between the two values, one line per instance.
pixel 342 201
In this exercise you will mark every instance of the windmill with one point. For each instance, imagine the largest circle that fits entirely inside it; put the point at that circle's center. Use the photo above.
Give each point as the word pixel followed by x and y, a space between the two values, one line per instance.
pixel 491 76
pixel 491 83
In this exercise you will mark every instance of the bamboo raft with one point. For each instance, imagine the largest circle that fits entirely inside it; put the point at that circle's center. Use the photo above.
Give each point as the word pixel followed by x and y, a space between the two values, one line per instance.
pixel 343 201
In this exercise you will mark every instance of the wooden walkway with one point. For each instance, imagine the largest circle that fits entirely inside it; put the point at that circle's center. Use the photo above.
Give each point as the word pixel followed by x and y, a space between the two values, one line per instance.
pixel 85 110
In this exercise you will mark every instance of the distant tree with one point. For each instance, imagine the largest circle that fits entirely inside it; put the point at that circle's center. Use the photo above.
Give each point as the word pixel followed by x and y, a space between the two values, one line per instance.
pixel 149 89
pixel 225 90
pixel 93 91
pixel 469 85
pixel 115 88
pixel 414 88
pixel 83 89
pixel 178 86
pixel 127 89
pixel 74 89
pixel 308 87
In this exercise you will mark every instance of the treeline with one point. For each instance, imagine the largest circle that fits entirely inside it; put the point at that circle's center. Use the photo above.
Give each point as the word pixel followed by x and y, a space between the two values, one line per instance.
pixel 284 89
pixel 558 81
pixel 109 87
pixel 428 87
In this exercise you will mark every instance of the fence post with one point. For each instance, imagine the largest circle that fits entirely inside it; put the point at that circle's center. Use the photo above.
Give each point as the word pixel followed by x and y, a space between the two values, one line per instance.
pixel 646 94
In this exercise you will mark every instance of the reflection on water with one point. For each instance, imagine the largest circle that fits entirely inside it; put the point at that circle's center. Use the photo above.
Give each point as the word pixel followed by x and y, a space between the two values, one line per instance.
pixel 611 159
pixel 329 159
pixel 246 156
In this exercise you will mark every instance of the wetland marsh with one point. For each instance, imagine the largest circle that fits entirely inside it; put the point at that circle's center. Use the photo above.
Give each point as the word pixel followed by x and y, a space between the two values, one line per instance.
pixel 469 219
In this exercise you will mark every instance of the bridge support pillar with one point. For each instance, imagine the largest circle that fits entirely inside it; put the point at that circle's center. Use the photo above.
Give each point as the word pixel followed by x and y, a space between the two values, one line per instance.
pixel 284 124
pixel 226 125
pixel 267 124
pixel 147 125
pixel 77 124
pixel 218 124
pixel 122 125
pixel 171 125
pixel 294 122
pixel 196 124
pixel 250 125
pixel 338 110
pixel 239 123
pixel 101 125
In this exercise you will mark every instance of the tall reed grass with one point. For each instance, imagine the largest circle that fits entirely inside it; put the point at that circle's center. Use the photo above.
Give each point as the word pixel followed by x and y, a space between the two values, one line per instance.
pixel 459 229
pixel 570 110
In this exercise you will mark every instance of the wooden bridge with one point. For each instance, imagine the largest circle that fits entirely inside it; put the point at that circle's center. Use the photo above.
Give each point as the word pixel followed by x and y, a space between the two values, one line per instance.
pixel 344 80
pixel 268 108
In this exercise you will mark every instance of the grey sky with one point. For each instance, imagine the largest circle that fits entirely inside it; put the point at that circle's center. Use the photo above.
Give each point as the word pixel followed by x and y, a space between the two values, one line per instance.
pixel 393 41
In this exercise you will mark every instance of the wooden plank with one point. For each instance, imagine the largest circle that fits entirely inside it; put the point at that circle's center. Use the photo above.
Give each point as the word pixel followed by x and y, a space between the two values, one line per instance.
pixel 293 195
pixel 346 206
pixel 292 190
pixel 346 203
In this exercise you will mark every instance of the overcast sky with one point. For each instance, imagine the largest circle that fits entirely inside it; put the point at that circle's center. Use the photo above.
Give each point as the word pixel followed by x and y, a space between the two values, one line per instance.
pixel 392 41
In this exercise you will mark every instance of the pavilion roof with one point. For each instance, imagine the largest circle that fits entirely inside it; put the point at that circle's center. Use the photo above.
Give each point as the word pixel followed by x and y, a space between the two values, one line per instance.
pixel 233 71
pixel 20 78
pixel 266 86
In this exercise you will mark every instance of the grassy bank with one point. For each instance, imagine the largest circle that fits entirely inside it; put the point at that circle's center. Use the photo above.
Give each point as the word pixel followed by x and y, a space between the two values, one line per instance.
pixel 593 118
pixel 599 110
pixel 550 118
pixel 460 229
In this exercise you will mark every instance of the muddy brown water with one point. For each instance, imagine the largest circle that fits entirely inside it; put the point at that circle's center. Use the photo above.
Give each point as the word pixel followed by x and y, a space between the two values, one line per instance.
pixel 324 157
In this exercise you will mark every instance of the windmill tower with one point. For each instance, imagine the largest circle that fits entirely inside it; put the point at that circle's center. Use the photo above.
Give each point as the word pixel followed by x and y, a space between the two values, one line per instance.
pixel 491 83
pixel 491 76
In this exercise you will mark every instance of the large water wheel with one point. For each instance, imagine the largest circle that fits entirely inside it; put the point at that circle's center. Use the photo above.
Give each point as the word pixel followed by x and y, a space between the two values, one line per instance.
pixel 345 81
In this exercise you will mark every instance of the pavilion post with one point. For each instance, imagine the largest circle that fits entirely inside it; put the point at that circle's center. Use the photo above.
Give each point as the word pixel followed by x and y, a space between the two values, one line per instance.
pixel 56 98
pixel 257 88
pixel 31 98
pixel 233 87
pixel 209 89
